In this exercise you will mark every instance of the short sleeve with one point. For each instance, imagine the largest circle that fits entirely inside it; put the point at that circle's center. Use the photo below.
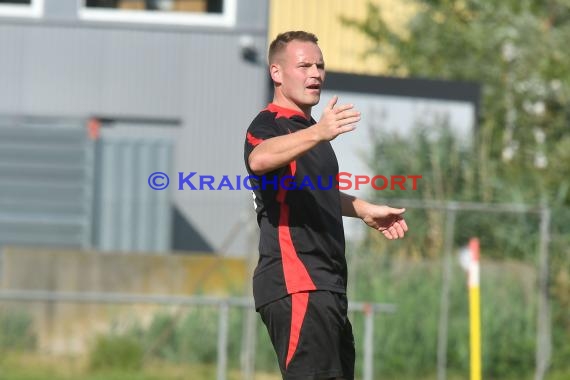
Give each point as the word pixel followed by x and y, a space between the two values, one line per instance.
pixel 262 128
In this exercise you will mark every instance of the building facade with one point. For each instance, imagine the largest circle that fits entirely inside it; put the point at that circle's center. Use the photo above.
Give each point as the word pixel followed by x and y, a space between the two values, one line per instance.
pixel 97 95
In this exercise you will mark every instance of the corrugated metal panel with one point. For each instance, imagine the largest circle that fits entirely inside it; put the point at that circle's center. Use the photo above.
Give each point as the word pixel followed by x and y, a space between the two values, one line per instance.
pixel 45 182
pixel 343 47
pixel 131 217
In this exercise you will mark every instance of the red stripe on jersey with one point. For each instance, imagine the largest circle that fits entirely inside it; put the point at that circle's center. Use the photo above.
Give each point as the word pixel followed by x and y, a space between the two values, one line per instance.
pixel 299 302
pixel 293 166
pixel 282 190
pixel 284 112
pixel 297 277
pixel 253 140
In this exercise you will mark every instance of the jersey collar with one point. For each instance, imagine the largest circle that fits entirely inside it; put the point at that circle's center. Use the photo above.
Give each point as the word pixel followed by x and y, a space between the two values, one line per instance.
pixel 284 112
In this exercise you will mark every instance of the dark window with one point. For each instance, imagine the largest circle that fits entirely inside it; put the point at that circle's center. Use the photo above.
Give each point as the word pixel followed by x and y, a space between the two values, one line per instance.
pixel 26 2
pixel 192 6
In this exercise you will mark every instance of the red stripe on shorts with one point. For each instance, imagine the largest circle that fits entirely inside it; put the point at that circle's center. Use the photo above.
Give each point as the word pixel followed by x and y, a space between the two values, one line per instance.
pixel 299 302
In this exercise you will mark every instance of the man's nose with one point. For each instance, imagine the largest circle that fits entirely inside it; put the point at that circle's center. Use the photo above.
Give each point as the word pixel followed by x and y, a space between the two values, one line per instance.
pixel 314 71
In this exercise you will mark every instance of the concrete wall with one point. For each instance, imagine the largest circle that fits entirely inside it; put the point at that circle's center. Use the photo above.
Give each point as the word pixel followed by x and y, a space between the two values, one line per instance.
pixel 64 327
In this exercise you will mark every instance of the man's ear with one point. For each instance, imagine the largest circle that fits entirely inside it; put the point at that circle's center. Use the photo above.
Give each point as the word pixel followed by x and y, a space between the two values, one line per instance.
pixel 275 71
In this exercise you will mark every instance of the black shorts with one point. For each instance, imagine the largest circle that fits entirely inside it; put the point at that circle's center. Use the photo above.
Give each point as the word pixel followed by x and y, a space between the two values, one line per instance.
pixel 312 335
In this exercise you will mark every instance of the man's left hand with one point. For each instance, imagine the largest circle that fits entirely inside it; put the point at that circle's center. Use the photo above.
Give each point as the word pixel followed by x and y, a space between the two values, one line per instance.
pixel 387 220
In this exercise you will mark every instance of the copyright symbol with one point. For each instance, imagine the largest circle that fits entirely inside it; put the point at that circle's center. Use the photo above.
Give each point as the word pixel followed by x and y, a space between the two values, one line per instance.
pixel 158 181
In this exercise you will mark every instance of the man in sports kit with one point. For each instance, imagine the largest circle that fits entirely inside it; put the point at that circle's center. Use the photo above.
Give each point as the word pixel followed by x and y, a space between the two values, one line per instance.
pixel 299 284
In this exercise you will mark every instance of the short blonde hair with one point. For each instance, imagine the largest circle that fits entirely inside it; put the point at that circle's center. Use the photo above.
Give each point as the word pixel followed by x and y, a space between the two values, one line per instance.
pixel 280 42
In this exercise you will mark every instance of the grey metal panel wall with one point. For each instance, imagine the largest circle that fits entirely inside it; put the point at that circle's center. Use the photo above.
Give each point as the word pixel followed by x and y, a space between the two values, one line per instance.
pixel 11 62
pixel 143 70
pixel 194 75
pixel 46 182
pixel 60 71
pixel 70 71
pixel 213 143
pixel 131 216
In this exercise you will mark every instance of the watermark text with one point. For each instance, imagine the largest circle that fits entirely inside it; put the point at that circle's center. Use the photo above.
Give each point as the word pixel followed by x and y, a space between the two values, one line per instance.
pixel 342 181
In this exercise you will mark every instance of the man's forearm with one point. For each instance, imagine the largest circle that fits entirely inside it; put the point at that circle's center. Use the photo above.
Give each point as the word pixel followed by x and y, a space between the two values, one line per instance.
pixel 352 206
pixel 279 151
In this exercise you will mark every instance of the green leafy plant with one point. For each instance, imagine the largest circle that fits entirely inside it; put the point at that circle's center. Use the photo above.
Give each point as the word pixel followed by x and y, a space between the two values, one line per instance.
pixel 112 352
pixel 16 330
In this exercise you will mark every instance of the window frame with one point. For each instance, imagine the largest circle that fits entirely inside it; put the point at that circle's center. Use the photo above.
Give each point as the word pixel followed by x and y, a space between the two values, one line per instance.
pixel 225 19
pixel 34 10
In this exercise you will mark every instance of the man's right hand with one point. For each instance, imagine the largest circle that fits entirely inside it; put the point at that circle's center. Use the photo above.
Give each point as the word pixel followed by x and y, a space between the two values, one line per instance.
pixel 336 120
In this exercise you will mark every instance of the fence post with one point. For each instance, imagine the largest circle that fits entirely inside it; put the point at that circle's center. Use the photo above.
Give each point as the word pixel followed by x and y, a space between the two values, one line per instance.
pixel 543 334
pixel 451 209
pixel 368 311
pixel 473 285
pixel 223 323
pixel 249 336
pixel 248 344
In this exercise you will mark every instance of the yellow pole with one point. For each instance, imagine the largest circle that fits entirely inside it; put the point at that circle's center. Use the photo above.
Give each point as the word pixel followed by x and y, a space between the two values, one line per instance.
pixel 474 310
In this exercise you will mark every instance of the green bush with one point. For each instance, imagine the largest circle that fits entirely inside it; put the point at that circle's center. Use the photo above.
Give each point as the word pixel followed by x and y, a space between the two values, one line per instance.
pixel 16 331
pixel 190 335
pixel 112 352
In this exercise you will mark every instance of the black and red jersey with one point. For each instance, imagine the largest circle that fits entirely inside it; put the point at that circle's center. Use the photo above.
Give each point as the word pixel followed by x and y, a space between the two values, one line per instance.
pixel 301 244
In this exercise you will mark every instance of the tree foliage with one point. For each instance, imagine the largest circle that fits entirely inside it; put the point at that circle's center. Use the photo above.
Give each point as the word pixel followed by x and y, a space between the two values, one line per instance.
pixel 517 50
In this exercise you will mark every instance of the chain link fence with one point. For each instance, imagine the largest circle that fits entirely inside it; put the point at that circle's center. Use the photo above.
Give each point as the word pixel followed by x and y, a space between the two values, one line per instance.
pixel 221 332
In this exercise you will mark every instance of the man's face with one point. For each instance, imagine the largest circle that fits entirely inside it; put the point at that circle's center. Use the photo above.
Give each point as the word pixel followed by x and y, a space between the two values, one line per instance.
pixel 299 72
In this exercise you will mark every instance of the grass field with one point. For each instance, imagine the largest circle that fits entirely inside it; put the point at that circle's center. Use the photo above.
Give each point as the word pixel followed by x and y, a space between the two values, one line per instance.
pixel 26 366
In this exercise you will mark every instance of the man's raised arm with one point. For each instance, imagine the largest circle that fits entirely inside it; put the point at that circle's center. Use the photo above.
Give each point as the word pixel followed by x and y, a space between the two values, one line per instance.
pixel 279 151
